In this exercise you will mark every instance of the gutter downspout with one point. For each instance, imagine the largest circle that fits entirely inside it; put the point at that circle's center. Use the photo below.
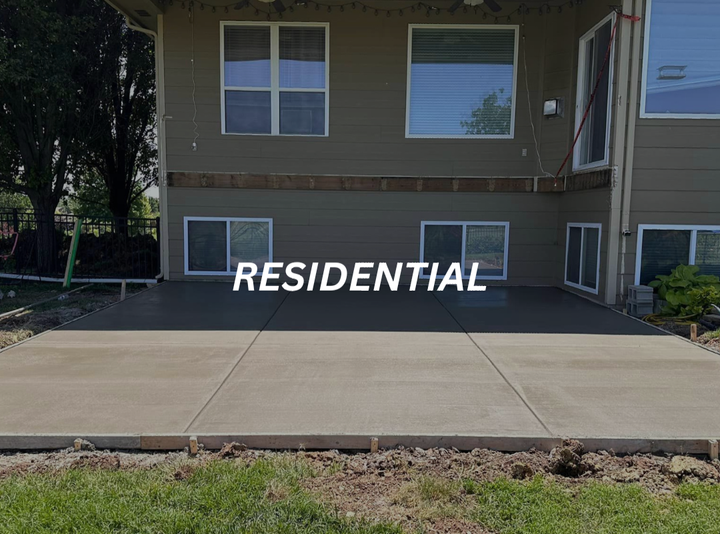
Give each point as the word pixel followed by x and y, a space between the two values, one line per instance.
pixel 630 144
pixel 161 140
pixel 613 251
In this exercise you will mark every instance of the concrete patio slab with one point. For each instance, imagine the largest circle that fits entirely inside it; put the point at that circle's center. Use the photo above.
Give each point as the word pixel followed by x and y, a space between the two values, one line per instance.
pixel 508 368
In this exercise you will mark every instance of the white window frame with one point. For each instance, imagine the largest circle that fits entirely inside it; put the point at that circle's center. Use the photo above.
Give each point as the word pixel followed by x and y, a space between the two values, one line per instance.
pixel 694 228
pixel 583 226
pixel 275 88
pixel 228 271
pixel 580 111
pixel 643 90
pixel 485 27
pixel 464 225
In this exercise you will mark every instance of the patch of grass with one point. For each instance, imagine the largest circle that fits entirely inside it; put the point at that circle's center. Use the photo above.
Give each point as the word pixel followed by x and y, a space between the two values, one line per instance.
pixel 432 498
pixel 219 497
pixel 543 507
pixel 711 335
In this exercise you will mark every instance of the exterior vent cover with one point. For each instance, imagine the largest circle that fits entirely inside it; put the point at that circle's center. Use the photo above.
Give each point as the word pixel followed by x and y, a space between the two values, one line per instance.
pixel 142 12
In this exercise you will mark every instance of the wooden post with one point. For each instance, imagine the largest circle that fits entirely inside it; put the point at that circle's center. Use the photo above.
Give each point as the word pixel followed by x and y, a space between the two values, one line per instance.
pixel 123 285
pixel 374 445
pixel 713 449
pixel 77 444
pixel 72 253
pixel 193 445
pixel 693 332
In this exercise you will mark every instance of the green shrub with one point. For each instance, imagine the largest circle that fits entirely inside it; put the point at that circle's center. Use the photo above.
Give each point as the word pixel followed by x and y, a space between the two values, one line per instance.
pixel 687 293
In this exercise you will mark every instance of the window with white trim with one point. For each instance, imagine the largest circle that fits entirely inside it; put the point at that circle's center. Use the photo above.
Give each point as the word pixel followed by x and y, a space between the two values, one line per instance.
pixel 274 78
pixel 592 148
pixel 681 73
pixel 484 243
pixel 461 81
pixel 215 245
pixel 661 248
pixel 582 256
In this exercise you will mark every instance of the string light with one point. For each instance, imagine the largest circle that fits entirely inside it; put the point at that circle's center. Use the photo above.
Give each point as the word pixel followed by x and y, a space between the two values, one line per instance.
pixel 523 9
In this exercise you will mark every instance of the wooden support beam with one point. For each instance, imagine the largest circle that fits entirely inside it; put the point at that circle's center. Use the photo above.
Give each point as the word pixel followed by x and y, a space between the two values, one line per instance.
pixel 374 445
pixel 713 449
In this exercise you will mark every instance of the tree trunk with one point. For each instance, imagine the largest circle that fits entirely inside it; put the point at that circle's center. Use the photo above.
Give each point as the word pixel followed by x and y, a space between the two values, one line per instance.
pixel 119 205
pixel 46 242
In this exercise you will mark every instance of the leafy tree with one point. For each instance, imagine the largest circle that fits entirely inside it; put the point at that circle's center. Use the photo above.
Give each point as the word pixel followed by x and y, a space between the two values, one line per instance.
pixel 123 151
pixel 49 67
pixel 9 199
pixel 91 199
pixel 492 118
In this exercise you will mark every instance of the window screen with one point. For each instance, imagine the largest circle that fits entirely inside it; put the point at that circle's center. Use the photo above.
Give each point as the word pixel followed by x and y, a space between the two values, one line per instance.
pixel 592 145
pixel 275 79
pixel 583 256
pixel 662 251
pixel 461 82
pixel 249 242
pixel 484 245
pixel 707 252
pixel 682 75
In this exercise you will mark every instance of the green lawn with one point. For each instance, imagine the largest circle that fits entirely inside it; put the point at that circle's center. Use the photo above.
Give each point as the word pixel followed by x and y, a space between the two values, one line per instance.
pixel 229 497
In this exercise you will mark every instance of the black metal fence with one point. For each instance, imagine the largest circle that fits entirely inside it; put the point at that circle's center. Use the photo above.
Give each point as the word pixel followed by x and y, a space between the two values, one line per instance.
pixel 107 247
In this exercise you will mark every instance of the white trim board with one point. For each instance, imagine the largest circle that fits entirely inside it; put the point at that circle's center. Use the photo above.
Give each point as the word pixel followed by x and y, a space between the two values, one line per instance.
pixel 275 88
pixel 464 225
pixel 583 227
pixel 478 27
pixel 643 88
pixel 693 228
pixel 227 220
pixel 579 111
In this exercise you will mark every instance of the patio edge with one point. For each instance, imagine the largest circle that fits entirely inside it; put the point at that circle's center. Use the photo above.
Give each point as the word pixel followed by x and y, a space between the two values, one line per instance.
pixel 169 442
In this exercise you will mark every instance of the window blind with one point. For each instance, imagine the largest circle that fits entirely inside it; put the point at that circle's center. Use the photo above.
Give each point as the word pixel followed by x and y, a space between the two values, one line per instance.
pixel 461 82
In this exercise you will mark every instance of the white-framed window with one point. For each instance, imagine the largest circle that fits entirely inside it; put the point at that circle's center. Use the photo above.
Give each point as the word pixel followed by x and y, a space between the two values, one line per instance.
pixel 461 81
pixel 484 243
pixel 681 72
pixel 274 78
pixel 661 248
pixel 582 256
pixel 592 148
pixel 215 245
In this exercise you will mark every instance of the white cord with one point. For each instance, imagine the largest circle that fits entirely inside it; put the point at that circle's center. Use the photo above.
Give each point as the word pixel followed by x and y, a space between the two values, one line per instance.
pixel 532 124
pixel 192 74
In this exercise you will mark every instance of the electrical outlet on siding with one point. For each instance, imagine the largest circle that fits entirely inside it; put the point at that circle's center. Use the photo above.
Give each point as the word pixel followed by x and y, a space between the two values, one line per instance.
pixel 524 152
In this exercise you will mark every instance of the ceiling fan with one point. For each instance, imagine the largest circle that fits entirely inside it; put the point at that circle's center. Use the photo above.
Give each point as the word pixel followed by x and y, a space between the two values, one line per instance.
pixel 277 4
pixel 492 4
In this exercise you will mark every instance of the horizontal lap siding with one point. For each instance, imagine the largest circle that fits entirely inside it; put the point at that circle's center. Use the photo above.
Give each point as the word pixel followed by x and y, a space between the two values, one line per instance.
pixel 367 94
pixel 676 177
pixel 374 226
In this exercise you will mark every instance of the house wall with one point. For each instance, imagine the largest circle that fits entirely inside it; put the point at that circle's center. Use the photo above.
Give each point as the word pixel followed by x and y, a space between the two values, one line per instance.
pixel 368 62
pixel 676 175
pixel 352 226
pixel 368 74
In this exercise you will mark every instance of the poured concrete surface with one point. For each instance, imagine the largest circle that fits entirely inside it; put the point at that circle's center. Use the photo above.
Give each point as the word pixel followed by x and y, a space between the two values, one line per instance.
pixel 198 358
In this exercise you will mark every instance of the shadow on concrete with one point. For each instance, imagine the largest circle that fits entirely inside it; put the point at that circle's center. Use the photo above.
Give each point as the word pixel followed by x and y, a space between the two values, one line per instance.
pixel 207 306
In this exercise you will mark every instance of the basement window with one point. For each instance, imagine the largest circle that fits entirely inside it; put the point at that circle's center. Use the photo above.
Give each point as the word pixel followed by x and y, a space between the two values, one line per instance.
pixel 484 243
pixel 661 248
pixel 681 72
pixel 592 148
pixel 215 246
pixel 274 78
pixel 582 256
pixel 461 81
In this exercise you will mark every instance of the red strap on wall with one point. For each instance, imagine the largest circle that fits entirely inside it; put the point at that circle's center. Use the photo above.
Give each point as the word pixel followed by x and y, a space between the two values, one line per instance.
pixel 597 85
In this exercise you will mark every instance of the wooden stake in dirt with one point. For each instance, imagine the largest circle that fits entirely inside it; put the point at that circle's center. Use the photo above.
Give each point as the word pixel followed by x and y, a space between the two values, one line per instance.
pixel 123 285
pixel 77 444
pixel 73 252
pixel 193 445
pixel 693 332
pixel 713 449
pixel 374 444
